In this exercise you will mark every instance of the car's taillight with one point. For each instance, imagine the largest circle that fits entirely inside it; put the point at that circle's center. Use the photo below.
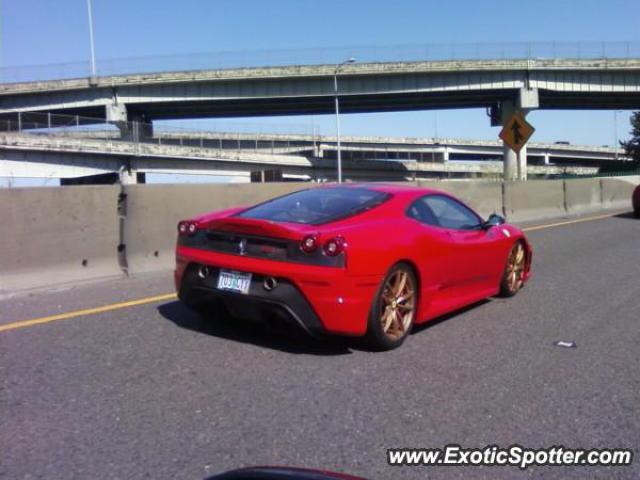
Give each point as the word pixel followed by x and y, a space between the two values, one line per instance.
pixel 334 246
pixel 309 244
pixel 187 228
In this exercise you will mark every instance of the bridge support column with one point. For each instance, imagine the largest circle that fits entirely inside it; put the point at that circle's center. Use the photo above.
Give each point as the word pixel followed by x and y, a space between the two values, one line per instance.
pixel 522 163
pixel 128 174
pixel 133 127
pixel 116 113
pixel 128 177
pixel 510 158
pixel 515 164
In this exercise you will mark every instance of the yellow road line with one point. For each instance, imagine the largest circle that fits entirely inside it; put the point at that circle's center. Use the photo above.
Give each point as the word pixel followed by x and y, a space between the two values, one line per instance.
pixel 87 311
pixel 569 222
pixel 172 296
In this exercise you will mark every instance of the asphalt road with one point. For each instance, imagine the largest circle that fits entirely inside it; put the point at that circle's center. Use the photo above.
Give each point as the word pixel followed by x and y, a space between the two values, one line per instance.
pixel 147 391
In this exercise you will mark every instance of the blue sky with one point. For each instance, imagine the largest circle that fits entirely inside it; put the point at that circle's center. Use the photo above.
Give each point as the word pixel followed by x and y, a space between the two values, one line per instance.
pixel 37 32
pixel 55 31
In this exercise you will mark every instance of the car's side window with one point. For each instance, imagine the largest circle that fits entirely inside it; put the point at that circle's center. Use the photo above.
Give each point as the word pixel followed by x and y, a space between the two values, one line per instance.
pixel 421 212
pixel 442 211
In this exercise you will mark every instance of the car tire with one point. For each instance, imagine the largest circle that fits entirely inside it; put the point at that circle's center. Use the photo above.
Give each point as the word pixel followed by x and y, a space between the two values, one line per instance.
pixel 513 276
pixel 394 309
pixel 636 212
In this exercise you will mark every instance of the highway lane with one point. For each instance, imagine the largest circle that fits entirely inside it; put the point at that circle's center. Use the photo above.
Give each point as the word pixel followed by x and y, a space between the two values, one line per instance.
pixel 148 391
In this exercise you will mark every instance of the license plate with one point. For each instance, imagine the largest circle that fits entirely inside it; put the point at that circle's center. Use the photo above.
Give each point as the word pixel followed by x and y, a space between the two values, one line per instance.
pixel 234 281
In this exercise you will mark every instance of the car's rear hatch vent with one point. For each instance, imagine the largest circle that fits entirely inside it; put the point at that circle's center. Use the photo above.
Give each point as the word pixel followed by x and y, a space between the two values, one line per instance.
pixel 247 245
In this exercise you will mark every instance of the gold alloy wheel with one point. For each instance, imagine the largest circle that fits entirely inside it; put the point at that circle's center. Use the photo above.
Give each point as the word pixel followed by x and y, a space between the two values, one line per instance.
pixel 398 304
pixel 515 267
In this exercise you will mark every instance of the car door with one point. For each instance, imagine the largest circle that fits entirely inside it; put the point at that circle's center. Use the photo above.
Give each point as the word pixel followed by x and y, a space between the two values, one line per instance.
pixel 437 252
pixel 477 253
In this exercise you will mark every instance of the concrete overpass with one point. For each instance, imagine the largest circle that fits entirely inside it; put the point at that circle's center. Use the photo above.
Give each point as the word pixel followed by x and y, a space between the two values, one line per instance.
pixel 435 150
pixel 504 86
pixel 62 156
pixel 372 87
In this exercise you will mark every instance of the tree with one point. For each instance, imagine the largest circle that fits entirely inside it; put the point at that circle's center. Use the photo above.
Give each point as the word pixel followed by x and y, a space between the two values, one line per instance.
pixel 632 146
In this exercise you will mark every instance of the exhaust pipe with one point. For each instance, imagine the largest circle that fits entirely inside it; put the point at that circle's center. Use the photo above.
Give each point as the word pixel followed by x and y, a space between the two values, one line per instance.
pixel 270 283
pixel 203 272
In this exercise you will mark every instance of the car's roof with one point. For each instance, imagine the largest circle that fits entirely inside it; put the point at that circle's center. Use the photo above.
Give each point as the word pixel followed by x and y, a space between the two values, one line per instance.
pixel 393 188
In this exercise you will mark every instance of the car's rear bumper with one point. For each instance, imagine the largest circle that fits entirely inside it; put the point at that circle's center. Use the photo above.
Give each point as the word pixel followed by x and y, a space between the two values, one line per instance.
pixel 318 299
pixel 284 303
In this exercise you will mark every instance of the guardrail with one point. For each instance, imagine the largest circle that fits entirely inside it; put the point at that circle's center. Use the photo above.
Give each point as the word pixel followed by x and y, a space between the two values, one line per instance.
pixel 62 124
pixel 215 135
pixel 324 56
pixel 89 232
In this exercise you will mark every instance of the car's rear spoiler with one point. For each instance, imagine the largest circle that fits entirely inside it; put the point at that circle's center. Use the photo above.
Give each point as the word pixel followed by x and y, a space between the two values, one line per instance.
pixel 257 227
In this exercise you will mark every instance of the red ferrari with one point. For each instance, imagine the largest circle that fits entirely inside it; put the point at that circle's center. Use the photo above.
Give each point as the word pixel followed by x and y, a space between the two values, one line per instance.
pixel 360 259
pixel 636 202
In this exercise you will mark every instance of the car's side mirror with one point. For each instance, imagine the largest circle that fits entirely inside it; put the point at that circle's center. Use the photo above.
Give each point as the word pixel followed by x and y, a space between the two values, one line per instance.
pixel 494 220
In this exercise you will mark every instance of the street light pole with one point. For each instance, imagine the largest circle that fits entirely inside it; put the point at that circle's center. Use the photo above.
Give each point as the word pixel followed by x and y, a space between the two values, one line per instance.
pixel 615 132
pixel 91 45
pixel 337 102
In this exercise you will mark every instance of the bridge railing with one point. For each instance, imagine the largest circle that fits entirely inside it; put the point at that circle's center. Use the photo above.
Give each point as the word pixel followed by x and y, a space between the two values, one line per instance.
pixel 323 56
pixel 230 136
pixel 283 139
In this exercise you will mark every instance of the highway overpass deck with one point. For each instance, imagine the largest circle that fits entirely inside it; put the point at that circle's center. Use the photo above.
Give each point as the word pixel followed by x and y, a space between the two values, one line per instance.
pixel 53 156
pixel 604 83
pixel 386 147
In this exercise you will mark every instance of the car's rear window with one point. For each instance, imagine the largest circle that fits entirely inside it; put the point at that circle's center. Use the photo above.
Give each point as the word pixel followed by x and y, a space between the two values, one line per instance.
pixel 317 205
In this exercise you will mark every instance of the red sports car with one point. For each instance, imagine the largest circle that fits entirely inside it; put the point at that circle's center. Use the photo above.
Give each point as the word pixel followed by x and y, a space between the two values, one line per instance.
pixel 635 200
pixel 357 259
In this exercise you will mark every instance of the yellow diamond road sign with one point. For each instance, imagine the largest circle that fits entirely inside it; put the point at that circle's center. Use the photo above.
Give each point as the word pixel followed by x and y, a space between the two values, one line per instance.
pixel 516 132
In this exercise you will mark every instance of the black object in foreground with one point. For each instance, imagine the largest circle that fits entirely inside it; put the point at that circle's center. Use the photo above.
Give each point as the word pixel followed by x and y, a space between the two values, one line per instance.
pixel 281 473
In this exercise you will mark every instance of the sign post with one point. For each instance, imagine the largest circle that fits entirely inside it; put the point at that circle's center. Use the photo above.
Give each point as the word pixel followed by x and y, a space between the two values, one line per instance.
pixel 515 134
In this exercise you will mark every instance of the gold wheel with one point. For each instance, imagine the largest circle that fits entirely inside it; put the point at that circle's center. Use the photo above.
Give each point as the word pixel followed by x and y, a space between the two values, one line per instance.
pixel 397 307
pixel 515 268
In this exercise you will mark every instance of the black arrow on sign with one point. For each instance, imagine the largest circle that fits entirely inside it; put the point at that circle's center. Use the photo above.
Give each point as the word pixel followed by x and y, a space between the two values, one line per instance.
pixel 517 136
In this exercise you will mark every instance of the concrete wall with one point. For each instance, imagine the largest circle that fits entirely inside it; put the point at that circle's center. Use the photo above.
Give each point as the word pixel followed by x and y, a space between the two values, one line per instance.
pixel 52 236
pixel 583 195
pixel 617 191
pixel 533 200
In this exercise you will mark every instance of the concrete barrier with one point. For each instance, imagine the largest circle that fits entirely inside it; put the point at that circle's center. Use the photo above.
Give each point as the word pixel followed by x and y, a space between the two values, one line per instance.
pixel 583 195
pixel 484 197
pixel 534 200
pixel 57 235
pixel 153 211
pixel 617 191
